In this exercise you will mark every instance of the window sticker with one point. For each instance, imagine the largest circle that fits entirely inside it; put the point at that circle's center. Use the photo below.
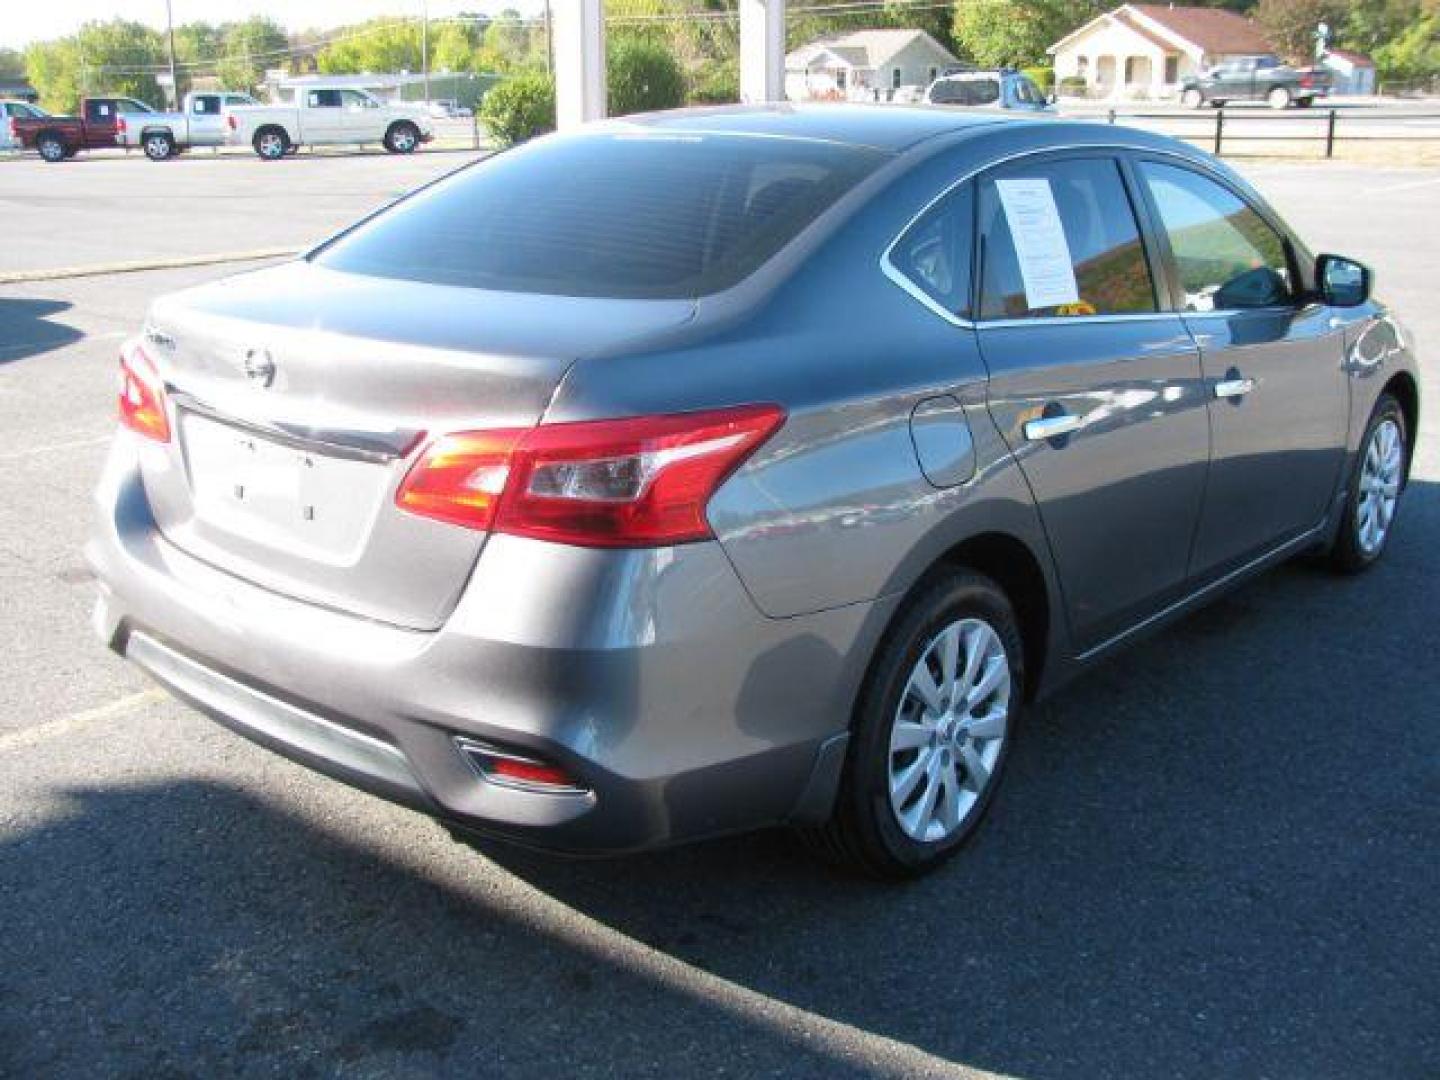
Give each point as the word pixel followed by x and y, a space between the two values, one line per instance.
pixel 1040 247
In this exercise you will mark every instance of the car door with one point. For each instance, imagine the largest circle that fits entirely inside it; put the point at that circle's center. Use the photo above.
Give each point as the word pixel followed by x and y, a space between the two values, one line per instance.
pixel 101 116
pixel 1096 388
pixel 205 122
pixel 323 119
pixel 363 119
pixel 1272 358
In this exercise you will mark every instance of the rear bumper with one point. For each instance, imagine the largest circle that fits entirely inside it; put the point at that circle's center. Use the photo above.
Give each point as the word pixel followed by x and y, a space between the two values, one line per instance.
pixel 649 676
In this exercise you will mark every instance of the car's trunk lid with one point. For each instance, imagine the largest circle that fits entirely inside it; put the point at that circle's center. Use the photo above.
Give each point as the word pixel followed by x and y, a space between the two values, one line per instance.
pixel 300 397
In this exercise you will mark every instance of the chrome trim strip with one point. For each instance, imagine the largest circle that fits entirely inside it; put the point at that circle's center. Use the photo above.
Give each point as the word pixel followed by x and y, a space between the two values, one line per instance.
pixel 473 749
pixel 1228 388
pixel 250 710
pixel 891 271
pixel 376 447
pixel 1274 553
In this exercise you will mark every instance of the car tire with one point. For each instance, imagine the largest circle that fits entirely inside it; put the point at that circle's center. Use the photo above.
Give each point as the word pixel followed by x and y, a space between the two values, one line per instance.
pixel 1192 98
pixel 1372 498
pixel 51 148
pixel 271 143
pixel 917 780
pixel 158 145
pixel 1304 102
pixel 402 137
pixel 1278 98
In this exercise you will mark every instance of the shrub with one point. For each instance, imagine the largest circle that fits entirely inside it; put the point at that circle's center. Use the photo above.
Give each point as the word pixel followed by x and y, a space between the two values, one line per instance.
pixel 519 108
pixel 642 77
pixel 715 83
pixel 1043 77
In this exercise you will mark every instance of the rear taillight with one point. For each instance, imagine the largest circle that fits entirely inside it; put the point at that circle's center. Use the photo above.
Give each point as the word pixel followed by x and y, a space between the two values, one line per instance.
pixel 14 129
pixel 638 482
pixel 120 124
pixel 142 394
pixel 501 766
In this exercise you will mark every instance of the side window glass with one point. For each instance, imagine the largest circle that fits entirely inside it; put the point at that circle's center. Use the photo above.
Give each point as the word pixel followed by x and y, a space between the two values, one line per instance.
pixel 1059 238
pixel 934 253
pixel 324 99
pixel 1226 255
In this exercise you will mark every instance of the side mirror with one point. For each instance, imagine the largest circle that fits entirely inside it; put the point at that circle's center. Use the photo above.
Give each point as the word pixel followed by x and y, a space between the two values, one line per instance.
pixel 1341 282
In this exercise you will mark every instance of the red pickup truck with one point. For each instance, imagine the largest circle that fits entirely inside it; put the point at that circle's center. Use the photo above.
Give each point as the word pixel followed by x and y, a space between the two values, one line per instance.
pixel 98 126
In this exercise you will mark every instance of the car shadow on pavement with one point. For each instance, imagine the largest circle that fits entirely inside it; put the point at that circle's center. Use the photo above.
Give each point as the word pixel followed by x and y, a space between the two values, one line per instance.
pixel 26 328
pixel 1215 856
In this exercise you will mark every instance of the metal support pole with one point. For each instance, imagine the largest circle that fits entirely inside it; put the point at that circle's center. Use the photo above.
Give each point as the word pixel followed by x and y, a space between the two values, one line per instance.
pixel 1111 116
pixel 1330 135
pixel 170 25
pixel 425 48
pixel 579 32
pixel 1219 131
pixel 762 50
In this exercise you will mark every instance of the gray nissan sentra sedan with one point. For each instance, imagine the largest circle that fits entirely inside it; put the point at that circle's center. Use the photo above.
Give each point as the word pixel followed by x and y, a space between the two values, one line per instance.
pixel 712 470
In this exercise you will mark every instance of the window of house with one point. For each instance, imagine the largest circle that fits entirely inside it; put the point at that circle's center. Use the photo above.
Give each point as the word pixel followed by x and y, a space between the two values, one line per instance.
pixel 840 74
pixel 934 74
pixel 934 253
pixel 1059 238
pixel 894 78
pixel 1172 69
pixel 1226 255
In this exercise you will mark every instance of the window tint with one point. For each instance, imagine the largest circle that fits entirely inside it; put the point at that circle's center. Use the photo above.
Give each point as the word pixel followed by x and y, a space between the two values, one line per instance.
pixel 206 105
pixel 354 99
pixel 1079 251
pixel 1226 255
pixel 965 92
pixel 934 253
pixel 656 216
pixel 324 99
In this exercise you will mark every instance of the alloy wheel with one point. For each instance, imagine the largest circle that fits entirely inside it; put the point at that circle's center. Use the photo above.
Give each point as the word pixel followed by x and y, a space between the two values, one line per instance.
pixel 949 729
pixel 1380 474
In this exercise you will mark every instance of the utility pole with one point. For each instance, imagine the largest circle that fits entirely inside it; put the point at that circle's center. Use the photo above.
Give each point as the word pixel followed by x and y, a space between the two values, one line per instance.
pixel 174 86
pixel 425 49
pixel 549 44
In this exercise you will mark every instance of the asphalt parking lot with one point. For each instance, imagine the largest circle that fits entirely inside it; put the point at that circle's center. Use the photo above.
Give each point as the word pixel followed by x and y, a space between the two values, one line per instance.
pixel 1217 855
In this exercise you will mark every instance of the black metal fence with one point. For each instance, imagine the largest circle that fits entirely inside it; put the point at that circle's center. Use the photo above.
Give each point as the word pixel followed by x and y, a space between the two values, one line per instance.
pixel 1326 128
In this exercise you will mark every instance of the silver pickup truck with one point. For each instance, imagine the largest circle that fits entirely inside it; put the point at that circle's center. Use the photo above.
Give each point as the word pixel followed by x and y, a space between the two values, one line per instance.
pixel 200 122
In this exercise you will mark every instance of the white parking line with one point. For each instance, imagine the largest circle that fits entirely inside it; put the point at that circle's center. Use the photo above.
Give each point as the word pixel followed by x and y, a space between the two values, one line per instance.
pixel 73 444
pixel 1405 186
pixel 53 729
pixel 13 277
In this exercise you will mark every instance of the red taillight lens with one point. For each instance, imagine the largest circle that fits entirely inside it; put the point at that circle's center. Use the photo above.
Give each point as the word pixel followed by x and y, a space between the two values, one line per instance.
pixel 142 394
pixel 638 482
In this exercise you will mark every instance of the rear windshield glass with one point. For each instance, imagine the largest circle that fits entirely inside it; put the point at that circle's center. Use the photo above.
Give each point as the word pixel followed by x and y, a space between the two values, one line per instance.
pixel 612 215
pixel 965 92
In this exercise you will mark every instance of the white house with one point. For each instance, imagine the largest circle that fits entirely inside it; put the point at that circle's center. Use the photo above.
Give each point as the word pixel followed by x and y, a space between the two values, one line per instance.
pixel 1353 73
pixel 865 65
pixel 1144 51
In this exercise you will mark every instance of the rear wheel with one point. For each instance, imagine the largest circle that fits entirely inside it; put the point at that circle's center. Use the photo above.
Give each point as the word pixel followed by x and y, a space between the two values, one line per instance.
pixel 51 147
pixel 1305 102
pixel 402 138
pixel 1375 488
pixel 159 146
pixel 931 732
pixel 1192 98
pixel 271 143
pixel 1278 98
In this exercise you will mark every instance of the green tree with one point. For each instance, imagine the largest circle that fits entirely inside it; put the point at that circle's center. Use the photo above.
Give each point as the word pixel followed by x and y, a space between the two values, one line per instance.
pixel 249 48
pixel 454 47
pixel 642 76
pixel 12 64
pixel 1015 32
pixel 1290 24
pixel 53 69
pixel 122 57
pixel 511 44
pixel 380 45
pixel 1414 53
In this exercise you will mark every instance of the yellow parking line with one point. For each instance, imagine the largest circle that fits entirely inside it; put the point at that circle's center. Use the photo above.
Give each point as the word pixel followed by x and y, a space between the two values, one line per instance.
pixel 14 277
pixel 52 729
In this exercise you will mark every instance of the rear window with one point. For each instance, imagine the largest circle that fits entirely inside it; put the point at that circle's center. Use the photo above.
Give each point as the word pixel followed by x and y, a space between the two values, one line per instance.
pixel 965 92
pixel 613 215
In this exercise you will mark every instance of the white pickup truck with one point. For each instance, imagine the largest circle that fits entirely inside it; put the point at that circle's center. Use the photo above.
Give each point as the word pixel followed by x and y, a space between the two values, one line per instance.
pixel 201 122
pixel 329 115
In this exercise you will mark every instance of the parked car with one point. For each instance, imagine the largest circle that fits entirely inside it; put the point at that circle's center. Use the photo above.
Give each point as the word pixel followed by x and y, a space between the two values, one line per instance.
pixel 1255 78
pixel 443 109
pixel 200 122
pixel 999 88
pixel 59 137
pixel 329 115
pixel 18 109
pixel 766 479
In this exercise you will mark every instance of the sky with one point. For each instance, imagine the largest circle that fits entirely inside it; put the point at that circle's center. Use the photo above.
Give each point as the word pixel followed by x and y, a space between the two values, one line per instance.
pixel 24 21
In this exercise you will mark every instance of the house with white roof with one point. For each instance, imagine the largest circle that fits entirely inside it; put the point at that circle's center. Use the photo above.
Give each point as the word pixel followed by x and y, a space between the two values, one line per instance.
pixel 1144 51
pixel 865 65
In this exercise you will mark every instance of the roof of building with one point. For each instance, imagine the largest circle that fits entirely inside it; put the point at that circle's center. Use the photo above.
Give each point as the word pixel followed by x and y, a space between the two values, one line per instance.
pixel 863 48
pixel 1352 57
pixel 1213 31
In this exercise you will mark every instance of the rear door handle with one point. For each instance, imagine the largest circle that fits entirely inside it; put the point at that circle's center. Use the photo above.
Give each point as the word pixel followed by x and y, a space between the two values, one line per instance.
pixel 1052 427
pixel 1230 388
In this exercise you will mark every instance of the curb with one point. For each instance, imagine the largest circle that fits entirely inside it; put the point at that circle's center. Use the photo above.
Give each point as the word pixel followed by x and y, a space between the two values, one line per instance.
pixel 15 277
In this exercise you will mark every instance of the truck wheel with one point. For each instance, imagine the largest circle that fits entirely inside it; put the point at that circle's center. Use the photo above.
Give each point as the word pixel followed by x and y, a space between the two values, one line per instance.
pixel 1305 102
pixel 1192 98
pixel 402 138
pixel 1278 98
pixel 159 146
pixel 51 147
pixel 271 143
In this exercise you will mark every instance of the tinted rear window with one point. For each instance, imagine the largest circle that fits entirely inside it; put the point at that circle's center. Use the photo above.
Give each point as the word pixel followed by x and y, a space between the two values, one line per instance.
pixel 610 215
pixel 965 92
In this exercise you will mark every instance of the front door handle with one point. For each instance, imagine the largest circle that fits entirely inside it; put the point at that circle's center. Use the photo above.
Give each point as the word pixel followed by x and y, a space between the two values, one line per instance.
pixel 1052 427
pixel 1233 388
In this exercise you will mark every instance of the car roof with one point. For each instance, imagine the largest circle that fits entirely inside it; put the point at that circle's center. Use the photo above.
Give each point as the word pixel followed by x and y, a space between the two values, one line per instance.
pixel 883 127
